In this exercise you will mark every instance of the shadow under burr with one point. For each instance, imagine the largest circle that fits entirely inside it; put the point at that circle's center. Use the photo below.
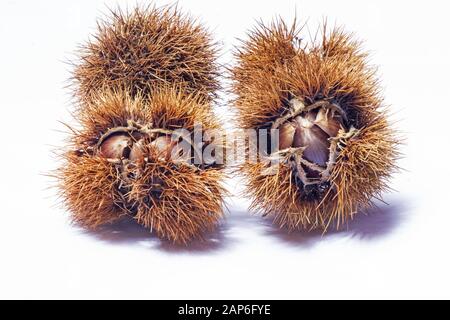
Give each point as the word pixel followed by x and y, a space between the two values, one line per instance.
pixel 371 224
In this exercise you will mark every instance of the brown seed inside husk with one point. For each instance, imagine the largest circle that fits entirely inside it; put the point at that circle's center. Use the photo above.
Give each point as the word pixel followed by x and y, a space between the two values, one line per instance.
pixel 312 131
pixel 116 146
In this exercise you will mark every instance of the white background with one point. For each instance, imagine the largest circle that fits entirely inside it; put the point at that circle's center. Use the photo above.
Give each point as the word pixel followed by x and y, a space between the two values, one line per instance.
pixel 399 251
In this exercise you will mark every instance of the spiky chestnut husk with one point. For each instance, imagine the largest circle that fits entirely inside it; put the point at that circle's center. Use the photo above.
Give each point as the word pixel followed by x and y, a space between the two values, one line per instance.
pixel 336 149
pixel 148 47
pixel 119 164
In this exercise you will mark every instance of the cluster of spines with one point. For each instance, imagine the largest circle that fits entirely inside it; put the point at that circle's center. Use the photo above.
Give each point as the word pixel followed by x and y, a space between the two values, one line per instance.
pixel 146 68
pixel 146 47
pixel 275 66
pixel 98 190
